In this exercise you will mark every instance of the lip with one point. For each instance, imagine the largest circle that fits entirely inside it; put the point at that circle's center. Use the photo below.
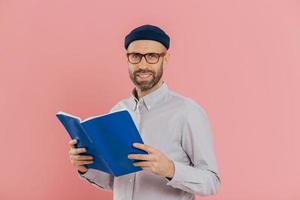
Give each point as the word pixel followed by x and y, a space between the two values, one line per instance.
pixel 147 73
pixel 144 76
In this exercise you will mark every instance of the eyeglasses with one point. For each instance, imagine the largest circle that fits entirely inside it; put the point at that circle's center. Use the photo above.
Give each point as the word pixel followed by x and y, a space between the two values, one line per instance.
pixel 151 58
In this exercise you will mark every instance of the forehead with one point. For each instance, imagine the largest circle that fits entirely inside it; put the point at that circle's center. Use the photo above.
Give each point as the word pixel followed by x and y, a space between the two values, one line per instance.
pixel 145 46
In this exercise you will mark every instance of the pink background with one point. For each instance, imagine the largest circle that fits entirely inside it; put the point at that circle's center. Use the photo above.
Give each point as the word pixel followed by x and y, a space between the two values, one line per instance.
pixel 238 59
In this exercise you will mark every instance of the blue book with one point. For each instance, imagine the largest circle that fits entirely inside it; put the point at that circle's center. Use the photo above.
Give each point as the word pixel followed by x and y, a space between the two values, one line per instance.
pixel 108 138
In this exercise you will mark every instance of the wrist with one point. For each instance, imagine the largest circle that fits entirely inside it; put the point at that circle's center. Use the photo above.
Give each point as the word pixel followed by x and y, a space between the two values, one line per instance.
pixel 171 170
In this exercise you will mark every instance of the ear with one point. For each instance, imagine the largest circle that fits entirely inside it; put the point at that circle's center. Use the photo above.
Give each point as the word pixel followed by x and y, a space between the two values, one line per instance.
pixel 166 58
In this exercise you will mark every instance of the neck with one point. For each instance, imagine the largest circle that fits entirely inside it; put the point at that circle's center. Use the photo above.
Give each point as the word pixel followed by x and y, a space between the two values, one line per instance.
pixel 144 93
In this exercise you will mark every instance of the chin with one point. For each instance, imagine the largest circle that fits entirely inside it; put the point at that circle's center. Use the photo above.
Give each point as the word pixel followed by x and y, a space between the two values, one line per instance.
pixel 145 87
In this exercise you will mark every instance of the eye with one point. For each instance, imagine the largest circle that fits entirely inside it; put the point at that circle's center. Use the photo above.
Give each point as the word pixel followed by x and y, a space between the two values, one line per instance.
pixel 152 55
pixel 135 55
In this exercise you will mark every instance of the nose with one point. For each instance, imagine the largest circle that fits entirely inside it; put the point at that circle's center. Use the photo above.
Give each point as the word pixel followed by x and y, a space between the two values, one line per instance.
pixel 143 64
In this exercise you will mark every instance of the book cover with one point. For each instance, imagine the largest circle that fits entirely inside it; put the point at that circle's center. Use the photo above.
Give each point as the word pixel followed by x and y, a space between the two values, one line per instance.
pixel 108 138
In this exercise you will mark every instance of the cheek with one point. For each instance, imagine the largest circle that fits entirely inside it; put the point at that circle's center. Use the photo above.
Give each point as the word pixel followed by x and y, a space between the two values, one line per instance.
pixel 157 68
pixel 130 68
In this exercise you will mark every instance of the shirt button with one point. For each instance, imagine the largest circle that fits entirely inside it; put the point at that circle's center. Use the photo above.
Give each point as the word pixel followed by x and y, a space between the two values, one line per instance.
pixel 130 180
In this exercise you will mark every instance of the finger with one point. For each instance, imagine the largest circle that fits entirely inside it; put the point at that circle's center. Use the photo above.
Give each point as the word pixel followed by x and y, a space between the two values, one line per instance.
pixel 78 157
pixel 140 156
pixel 142 164
pixel 80 150
pixel 87 158
pixel 72 142
pixel 72 151
pixel 144 147
pixel 82 168
pixel 80 163
pixel 76 151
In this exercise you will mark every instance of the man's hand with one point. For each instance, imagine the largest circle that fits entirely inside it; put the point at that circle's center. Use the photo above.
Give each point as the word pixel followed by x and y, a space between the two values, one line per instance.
pixel 155 161
pixel 77 160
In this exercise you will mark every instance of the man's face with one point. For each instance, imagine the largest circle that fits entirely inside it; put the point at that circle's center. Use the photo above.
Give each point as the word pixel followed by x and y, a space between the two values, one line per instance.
pixel 143 74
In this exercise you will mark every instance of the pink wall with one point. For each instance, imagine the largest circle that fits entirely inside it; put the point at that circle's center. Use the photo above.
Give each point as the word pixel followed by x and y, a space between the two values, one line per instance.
pixel 238 59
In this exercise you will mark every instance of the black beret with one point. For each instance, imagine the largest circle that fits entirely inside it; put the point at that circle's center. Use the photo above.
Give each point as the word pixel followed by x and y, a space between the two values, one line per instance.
pixel 147 32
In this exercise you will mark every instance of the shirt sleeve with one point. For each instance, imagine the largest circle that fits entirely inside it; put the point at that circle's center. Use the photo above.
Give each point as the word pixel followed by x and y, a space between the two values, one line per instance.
pixel 98 178
pixel 201 175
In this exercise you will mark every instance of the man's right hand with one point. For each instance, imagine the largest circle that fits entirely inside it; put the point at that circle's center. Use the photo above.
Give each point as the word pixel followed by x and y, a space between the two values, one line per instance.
pixel 77 160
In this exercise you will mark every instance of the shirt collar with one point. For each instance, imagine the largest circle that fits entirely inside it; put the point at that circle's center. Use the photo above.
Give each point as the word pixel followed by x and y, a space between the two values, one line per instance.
pixel 150 99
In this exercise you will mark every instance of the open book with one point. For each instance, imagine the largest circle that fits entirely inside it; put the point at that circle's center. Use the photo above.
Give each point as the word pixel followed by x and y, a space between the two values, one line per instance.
pixel 108 138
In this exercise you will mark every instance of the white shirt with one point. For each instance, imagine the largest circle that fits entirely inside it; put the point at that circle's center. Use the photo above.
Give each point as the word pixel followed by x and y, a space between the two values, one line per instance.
pixel 178 127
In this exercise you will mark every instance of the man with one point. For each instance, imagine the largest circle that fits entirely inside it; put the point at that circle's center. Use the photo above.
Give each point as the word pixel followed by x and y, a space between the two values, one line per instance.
pixel 175 129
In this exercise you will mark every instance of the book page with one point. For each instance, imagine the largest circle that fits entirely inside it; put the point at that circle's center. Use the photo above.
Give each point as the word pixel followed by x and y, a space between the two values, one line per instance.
pixel 67 114
pixel 93 117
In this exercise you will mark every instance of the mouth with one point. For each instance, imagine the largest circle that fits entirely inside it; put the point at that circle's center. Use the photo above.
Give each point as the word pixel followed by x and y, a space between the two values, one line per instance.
pixel 144 76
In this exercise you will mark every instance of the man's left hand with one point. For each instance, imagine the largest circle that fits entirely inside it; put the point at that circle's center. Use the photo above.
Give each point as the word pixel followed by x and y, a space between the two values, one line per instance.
pixel 155 161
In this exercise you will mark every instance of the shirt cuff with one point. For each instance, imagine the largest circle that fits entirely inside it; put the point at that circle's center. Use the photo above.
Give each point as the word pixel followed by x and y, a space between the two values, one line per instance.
pixel 89 175
pixel 194 180
pixel 179 174
pixel 98 178
pixel 92 174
